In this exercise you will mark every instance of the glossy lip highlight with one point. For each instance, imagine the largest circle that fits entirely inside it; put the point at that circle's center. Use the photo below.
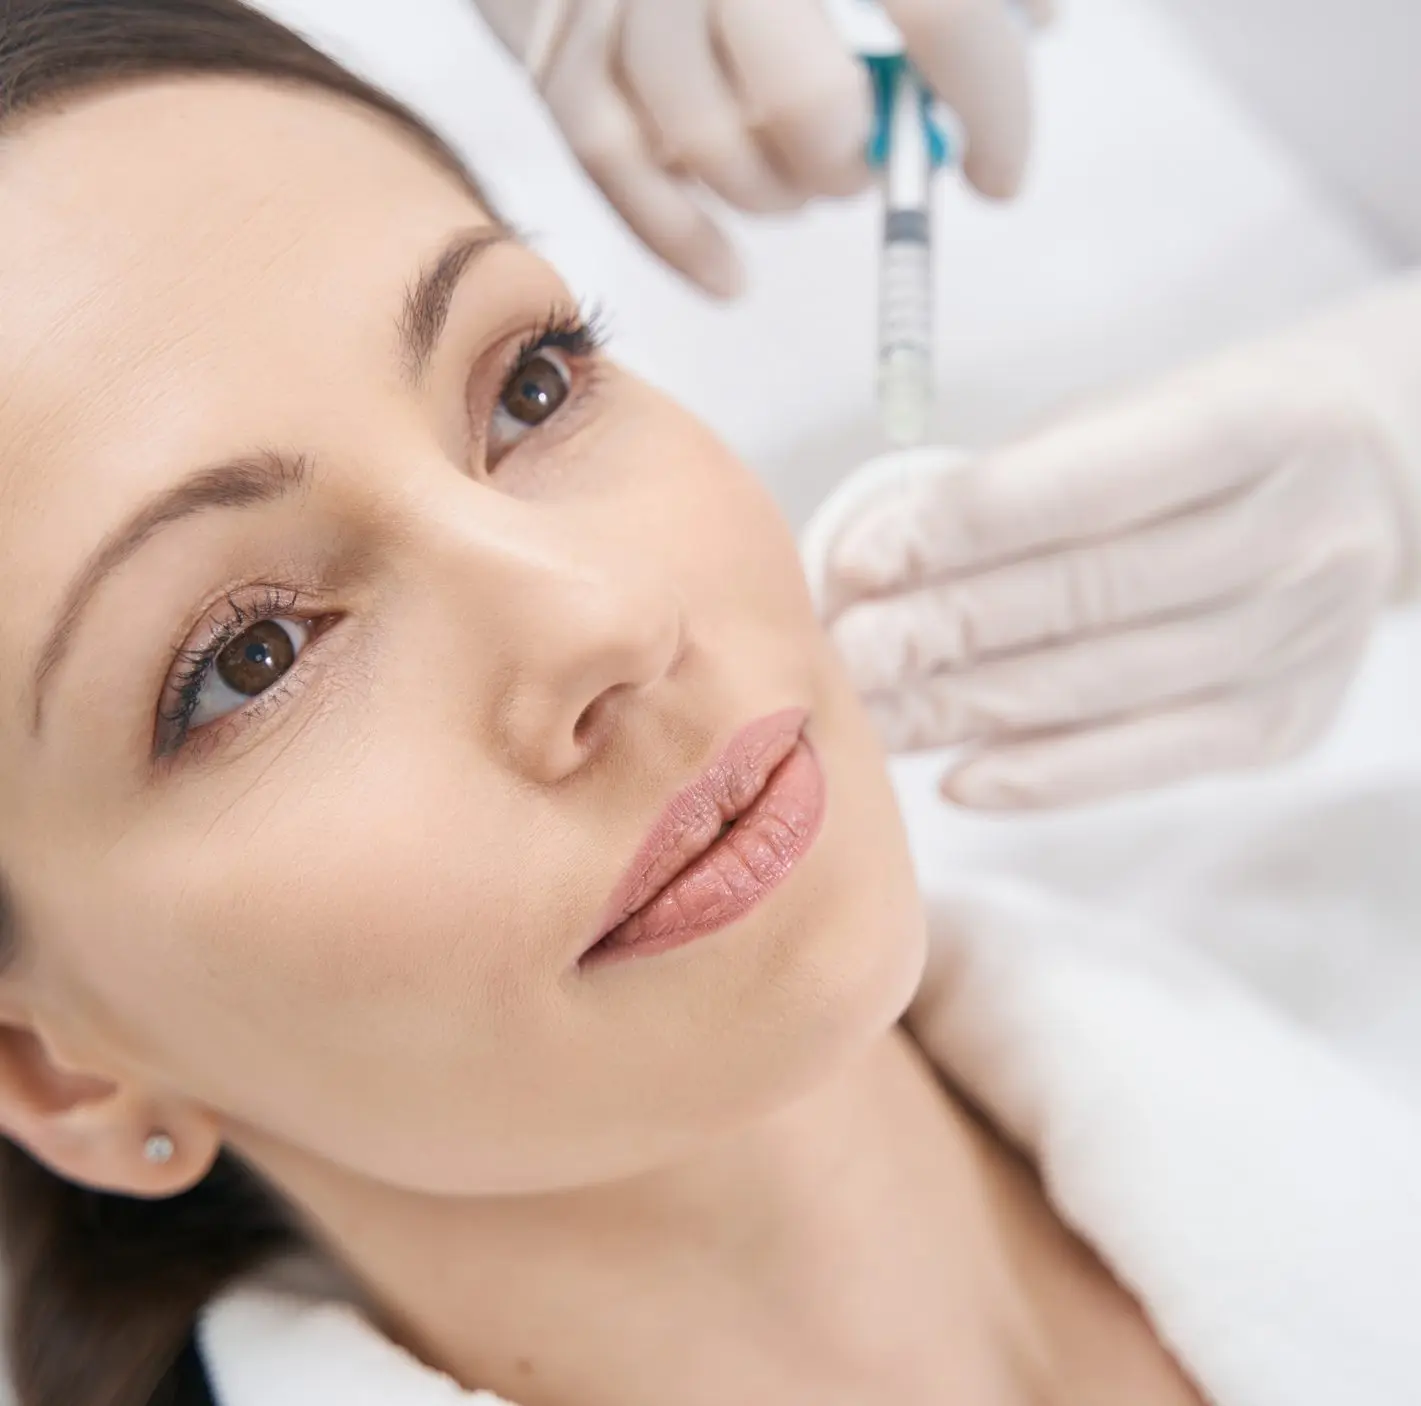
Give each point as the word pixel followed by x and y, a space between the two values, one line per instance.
pixel 768 778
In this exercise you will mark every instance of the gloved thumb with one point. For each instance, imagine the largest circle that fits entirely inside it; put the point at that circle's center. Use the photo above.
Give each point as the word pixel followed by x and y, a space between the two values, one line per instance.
pixel 853 545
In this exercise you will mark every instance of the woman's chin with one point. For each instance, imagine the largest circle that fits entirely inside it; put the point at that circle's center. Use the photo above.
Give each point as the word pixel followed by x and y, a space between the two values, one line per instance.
pixel 837 965
pixel 849 987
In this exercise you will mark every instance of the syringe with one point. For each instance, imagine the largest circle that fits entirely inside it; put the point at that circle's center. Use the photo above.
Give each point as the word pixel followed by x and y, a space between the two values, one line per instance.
pixel 907 147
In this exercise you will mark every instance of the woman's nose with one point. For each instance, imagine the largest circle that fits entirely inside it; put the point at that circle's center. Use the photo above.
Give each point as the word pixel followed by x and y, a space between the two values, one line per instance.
pixel 583 633
pixel 598 642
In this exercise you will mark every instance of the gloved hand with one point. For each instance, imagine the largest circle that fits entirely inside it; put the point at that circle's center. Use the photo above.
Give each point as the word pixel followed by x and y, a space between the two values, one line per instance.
pixel 759 100
pixel 1179 582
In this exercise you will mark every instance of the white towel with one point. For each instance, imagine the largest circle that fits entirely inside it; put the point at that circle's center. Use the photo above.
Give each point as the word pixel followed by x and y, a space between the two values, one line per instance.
pixel 1259 1193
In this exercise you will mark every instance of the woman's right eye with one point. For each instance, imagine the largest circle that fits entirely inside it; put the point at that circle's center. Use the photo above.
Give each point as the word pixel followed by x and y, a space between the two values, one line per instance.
pixel 246 666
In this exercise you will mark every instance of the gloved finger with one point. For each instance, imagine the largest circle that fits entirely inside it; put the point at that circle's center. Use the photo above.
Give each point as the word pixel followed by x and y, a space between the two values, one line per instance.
pixel 1308 628
pixel 973 54
pixel 1181 565
pixel 607 139
pixel 671 73
pixel 1226 733
pixel 1087 479
pixel 806 98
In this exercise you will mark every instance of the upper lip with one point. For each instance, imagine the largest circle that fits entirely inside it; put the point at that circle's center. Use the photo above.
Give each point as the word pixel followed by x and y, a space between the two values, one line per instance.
pixel 692 819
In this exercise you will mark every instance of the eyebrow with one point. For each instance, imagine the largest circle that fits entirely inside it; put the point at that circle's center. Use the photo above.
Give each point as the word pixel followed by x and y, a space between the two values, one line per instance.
pixel 267 476
pixel 240 483
pixel 427 302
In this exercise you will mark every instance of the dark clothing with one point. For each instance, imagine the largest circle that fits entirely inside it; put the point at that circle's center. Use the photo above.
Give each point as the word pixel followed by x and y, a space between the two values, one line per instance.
pixel 186 1384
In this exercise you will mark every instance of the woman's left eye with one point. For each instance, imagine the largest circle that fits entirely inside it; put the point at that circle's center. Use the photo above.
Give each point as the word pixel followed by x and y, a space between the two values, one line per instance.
pixel 538 388
pixel 248 665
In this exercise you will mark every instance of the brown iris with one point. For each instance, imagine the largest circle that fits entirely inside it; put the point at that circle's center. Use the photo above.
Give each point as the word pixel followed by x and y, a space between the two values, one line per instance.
pixel 536 390
pixel 256 659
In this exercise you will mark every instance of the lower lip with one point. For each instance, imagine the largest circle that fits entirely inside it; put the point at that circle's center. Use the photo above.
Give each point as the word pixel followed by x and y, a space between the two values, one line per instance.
pixel 735 873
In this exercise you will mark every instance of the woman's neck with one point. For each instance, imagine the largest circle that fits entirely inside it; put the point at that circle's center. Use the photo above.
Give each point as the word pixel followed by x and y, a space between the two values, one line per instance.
pixel 867 1243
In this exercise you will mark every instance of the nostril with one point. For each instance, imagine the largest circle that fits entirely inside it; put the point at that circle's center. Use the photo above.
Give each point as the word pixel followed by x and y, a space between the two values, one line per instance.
pixel 593 722
pixel 586 722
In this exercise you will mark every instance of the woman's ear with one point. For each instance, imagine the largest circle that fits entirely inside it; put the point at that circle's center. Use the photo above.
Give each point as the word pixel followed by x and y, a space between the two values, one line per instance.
pixel 96 1130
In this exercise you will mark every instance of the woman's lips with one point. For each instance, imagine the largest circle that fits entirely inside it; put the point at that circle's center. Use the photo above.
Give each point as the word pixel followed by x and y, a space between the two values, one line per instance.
pixel 721 844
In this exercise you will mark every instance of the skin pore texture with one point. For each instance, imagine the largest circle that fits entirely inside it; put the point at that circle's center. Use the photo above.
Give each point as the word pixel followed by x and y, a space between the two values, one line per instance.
pixel 336 925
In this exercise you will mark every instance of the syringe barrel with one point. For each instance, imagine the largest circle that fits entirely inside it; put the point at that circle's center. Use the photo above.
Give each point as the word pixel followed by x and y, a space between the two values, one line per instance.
pixel 905 327
pixel 905 309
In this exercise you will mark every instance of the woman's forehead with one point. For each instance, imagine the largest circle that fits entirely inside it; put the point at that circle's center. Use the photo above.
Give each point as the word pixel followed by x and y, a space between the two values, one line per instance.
pixel 145 212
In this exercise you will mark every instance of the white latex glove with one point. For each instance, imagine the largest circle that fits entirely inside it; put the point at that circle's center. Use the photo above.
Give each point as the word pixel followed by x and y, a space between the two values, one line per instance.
pixel 1179 582
pixel 758 100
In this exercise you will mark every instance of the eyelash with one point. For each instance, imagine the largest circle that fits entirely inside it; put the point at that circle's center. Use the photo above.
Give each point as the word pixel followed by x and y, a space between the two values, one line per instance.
pixel 579 335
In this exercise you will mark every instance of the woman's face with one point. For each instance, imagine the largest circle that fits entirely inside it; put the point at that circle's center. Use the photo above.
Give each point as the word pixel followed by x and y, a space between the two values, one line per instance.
pixel 344 672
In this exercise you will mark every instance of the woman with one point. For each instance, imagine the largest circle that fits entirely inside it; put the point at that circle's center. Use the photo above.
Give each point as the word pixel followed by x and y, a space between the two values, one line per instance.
pixel 437 834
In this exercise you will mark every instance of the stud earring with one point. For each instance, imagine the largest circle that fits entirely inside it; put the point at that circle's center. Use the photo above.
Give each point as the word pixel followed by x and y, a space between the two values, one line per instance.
pixel 158 1148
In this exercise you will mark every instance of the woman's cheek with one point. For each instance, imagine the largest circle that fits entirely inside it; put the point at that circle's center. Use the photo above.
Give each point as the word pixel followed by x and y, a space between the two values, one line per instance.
pixel 709 517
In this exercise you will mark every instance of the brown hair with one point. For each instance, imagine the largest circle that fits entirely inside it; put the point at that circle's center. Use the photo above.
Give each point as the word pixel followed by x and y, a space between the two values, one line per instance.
pixel 103 1289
